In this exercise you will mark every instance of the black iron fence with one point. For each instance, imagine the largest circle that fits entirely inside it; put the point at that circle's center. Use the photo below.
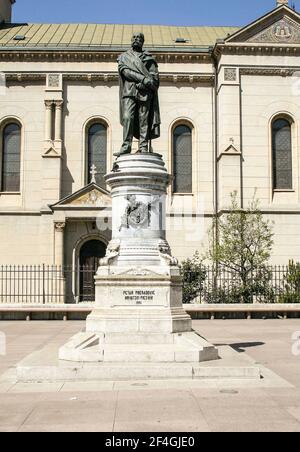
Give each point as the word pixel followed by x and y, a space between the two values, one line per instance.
pixel 46 284
pixel 42 284
pixel 268 284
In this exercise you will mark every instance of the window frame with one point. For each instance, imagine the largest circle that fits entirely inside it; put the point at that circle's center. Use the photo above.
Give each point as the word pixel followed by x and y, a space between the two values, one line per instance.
pixel 88 125
pixel 175 125
pixel 289 119
pixel 3 124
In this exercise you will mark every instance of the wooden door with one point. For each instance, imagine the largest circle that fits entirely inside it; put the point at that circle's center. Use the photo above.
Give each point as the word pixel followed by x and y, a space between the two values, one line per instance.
pixel 90 254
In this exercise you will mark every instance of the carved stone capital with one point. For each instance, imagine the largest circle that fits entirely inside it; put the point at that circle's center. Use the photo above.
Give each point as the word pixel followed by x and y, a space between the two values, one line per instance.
pixel 59 226
pixel 48 104
pixel 59 104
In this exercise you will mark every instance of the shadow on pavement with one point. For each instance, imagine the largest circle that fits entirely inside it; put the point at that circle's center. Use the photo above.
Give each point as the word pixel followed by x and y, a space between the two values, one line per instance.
pixel 242 347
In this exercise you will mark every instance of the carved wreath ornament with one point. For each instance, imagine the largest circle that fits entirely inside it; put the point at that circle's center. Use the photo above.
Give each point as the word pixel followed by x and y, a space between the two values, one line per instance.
pixel 137 214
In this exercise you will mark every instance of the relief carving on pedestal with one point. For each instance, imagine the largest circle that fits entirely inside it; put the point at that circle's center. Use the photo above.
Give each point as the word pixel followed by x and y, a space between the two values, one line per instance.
pixel 166 254
pixel 112 252
pixel 137 214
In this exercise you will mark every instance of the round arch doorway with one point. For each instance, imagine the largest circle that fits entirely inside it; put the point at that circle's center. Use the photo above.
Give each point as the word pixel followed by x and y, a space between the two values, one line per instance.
pixel 89 256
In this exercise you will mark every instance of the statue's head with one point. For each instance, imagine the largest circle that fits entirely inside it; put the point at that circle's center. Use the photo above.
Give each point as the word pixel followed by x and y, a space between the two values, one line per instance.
pixel 137 41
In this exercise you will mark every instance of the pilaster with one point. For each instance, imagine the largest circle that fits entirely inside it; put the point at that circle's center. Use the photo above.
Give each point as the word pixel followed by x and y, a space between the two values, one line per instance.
pixel 53 144
pixel 230 139
pixel 59 230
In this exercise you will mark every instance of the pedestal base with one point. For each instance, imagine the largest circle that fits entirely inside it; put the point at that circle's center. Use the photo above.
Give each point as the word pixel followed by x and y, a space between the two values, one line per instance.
pixel 138 300
pixel 138 348
pixel 44 366
pixel 138 318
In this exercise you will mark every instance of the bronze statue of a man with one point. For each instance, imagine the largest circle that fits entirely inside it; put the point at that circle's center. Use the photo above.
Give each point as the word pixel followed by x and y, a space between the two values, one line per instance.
pixel 139 105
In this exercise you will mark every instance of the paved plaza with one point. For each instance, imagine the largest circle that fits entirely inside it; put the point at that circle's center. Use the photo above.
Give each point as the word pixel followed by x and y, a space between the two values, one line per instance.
pixel 177 405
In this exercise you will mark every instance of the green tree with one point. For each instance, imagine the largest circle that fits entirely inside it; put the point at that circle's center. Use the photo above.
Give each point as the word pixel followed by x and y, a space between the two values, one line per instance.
pixel 243 247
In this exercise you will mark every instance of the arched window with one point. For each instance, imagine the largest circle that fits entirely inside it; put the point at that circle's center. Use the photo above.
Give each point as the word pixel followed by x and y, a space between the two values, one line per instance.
pixel 11 158
pixel 182 159
pixel 97 152
pixel 282 154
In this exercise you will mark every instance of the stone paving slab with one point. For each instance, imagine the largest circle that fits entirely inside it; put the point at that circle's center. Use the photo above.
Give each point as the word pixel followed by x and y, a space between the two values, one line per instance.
pixel 272 404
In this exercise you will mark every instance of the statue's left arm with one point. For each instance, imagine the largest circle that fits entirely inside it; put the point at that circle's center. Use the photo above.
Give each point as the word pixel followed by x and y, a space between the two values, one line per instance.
pixel 154 74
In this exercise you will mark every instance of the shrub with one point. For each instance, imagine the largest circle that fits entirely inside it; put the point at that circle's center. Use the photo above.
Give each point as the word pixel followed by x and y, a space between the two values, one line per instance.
pixel 193 274
pixel 291 293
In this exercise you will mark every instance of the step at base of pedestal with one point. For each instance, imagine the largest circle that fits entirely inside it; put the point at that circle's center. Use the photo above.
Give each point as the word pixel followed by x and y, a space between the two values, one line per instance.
pixel 139 348
pixel 44 366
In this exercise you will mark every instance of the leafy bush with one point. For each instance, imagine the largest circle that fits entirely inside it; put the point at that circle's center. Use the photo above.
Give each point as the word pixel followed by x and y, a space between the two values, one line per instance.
pixel 193 274
pixel 291 293
pixel 229 288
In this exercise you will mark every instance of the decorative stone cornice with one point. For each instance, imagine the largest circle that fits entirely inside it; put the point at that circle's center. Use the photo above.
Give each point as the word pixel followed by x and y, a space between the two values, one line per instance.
pixel 25 76
pixel 175 78
pixel 187 78
pixel 256 49
pixel 272 71
pixel 171 56
pixel 112 77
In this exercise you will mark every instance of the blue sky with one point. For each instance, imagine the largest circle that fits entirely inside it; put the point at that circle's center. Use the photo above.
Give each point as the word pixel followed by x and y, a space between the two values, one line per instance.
pixel 169 12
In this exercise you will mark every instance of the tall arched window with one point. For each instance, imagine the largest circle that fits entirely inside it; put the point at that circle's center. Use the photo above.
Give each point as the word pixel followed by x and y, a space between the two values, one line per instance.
pixel 282 154
pixel 97 152
pixel 182 159
pixel 11 158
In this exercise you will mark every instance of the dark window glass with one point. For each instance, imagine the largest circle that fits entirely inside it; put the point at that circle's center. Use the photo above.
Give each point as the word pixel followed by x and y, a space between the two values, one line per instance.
pixel 282 155
pixel 183 159
pixel 97 152
pixel 11 158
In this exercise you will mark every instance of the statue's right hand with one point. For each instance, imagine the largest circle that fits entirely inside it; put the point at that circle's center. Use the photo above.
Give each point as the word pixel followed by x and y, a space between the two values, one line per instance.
pixel 148 82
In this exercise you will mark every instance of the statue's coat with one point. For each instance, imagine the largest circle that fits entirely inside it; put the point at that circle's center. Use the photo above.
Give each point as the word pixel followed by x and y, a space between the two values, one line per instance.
pixel 144 65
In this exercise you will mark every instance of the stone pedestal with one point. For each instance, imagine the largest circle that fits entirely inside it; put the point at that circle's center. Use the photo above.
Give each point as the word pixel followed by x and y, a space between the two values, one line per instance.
pixel 138 316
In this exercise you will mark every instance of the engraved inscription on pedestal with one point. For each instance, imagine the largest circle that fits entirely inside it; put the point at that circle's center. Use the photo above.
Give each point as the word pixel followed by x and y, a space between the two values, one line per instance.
pixel 139 297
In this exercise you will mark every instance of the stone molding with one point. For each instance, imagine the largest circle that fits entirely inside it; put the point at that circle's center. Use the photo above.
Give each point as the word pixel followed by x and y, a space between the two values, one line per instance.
pixel 273 71
pixel 230 151
pixel 100 56
pixel 167 77
pixel 111 77
pixel 246 48
pixel 52 153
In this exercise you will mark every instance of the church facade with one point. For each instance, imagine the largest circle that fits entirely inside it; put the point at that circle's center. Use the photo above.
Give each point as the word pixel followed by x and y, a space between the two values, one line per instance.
pixel 230 109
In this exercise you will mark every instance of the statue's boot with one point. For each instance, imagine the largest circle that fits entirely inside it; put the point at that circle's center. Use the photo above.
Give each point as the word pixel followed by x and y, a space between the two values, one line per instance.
pixel 122 152
pixel 144 150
